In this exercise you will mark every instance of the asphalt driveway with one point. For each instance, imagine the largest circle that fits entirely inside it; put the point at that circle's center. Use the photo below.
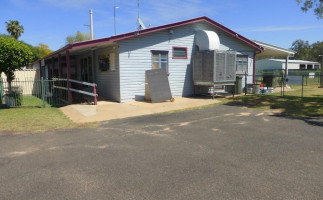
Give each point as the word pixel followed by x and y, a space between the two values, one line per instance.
pixel 221 152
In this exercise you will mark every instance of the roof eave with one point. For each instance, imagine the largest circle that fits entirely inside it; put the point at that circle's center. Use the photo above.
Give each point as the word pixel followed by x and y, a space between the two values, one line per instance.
pixel 116 38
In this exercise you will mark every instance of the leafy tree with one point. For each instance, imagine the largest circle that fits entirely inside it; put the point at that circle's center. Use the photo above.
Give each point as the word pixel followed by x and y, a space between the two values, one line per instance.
pixel 34 51
pixel 13 55
pixel 43 49
pixel 14 28
pixel 317 49
pixel 306 51
pixel 78 37
pixel 317 5
pixel 302 49
pixel 38 51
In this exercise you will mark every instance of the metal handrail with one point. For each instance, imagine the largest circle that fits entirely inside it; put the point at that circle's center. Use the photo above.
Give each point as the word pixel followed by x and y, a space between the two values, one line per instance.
pixel 94 94
pixel 75 81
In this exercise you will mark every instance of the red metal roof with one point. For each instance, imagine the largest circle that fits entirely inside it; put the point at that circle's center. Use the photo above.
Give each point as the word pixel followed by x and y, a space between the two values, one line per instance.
pixel 116 38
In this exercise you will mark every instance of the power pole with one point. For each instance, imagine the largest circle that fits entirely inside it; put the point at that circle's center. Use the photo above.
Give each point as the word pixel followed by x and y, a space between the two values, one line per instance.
pixel 91 24
pixel 321 75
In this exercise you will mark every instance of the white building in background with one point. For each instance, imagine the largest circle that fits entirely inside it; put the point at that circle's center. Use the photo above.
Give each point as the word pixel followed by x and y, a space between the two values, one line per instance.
pixel 279 64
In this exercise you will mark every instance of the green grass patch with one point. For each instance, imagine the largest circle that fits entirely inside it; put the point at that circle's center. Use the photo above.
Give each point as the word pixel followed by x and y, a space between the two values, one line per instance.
pixel 31 117
pixel 35 120
pixel 290 105
pixel 32 101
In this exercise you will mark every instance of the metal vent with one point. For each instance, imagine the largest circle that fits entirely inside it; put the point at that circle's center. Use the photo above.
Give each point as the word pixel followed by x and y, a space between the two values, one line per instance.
pixel 208 66
pixel 230 66
pixel 220 66
pixel 214 67
pixel 198 62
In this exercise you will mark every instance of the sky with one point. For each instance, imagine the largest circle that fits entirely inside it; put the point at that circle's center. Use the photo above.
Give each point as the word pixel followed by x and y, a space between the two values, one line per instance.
pixel 277 22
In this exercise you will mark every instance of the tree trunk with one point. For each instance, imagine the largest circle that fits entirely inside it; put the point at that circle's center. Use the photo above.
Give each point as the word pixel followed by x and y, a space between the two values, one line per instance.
pixel 10 76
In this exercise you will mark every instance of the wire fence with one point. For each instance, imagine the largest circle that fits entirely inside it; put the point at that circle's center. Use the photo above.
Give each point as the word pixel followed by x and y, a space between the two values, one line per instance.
pixel 46 93
pixel 306 85
pixel 57 92
pixel 33 93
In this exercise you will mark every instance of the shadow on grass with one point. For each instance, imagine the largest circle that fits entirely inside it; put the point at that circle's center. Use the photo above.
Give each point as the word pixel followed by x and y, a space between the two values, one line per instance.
pixel 308 109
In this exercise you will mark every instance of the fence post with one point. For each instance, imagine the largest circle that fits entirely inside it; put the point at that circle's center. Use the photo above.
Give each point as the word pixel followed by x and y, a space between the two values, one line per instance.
pixel 1 90
pixel 302 84
pixel 95 97
pixel 43 91
pixel 245 83
pixel 282 86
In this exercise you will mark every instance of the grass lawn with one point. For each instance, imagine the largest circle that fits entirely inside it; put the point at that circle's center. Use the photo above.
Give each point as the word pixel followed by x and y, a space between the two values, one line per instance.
pixel 33 119
pixel 29 118
pixel 292 103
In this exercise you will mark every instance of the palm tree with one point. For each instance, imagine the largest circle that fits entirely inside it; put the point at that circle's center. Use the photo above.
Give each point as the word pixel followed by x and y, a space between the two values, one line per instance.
pixel 14 28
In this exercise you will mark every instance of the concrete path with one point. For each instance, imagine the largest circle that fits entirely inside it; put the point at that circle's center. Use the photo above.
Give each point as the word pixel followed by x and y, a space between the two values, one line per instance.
pixel 110 110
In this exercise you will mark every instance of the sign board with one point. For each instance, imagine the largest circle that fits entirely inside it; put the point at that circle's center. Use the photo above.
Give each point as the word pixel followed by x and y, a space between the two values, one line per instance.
pixel 158 85
pixel 311 75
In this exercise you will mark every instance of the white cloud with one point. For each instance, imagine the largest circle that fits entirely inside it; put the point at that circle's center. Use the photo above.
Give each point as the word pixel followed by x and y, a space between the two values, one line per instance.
pixel 277 28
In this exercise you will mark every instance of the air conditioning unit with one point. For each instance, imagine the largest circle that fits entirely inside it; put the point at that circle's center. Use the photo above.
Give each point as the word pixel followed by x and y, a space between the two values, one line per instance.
pixel 215 67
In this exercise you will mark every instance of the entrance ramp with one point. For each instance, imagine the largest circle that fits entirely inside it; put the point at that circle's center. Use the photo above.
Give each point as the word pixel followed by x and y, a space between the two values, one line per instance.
pixel 106 110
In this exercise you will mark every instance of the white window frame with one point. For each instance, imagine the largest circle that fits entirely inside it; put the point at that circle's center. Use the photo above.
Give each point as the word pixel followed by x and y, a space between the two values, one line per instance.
pixel 247 63
pixel 155 52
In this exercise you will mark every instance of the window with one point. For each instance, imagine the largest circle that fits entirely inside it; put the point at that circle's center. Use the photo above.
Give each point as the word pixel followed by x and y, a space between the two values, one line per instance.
pixel 180 52
pixel 104 63
pixel 160 59
pixel 242 64
pixel 107 62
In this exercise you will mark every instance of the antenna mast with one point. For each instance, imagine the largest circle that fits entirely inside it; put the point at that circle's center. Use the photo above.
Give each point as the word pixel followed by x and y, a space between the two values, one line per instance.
pixel 139 22
pixel 138 8
pixel 91 24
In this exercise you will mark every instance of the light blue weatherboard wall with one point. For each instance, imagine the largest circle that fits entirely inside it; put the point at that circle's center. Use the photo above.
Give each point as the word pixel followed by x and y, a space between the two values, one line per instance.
pixel 135 59
pixel 108 82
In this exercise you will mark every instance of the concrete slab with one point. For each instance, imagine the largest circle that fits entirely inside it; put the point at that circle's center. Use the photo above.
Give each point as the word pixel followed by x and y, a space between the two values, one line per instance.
pixel 106 110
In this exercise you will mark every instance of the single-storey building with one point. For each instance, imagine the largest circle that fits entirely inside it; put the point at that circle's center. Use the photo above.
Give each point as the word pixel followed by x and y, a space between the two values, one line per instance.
pixel 117 64
pixel 279 64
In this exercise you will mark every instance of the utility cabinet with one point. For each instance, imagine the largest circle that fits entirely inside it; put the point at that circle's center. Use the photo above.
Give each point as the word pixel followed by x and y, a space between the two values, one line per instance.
pixel 214 68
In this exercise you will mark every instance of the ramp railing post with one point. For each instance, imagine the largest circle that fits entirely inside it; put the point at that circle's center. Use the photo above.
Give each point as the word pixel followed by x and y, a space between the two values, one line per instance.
pixel 95 95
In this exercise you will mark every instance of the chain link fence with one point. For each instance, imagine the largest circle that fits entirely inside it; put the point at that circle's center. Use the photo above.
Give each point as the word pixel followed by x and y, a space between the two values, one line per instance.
pixel 303 85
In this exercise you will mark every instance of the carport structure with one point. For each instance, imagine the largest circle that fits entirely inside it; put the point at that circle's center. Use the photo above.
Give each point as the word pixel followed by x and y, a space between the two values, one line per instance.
pixel 271 51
